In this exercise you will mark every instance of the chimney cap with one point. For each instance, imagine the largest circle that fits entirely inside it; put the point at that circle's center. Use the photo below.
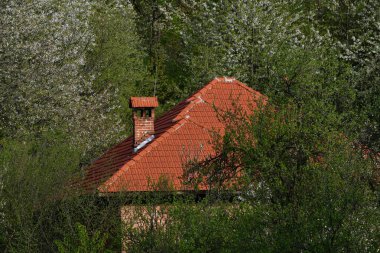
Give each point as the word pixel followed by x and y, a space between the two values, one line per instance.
pixel 143 102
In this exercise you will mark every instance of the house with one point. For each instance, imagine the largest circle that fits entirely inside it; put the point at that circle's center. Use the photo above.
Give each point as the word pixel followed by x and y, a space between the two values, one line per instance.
pixel 160 147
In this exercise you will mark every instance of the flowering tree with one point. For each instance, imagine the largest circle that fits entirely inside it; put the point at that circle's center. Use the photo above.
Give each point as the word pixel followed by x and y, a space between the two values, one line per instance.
pixel 43 86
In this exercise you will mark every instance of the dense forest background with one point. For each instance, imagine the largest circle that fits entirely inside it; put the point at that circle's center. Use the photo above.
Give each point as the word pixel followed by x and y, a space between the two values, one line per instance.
pixel 67 71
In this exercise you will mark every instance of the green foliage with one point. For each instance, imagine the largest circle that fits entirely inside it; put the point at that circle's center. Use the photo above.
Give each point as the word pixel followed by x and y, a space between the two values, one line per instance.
pixel 368 103
pixel 303 187
pixel 318 184
pixel 33 173
pixel 117 59
pixel 37 203
pixel 82 242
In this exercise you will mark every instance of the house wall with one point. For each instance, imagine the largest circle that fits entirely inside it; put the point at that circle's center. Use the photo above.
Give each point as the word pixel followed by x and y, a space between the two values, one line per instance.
pixel 141 217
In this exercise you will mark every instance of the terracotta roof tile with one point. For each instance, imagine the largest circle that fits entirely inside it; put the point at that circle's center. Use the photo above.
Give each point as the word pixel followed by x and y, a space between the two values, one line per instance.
pixel 182 133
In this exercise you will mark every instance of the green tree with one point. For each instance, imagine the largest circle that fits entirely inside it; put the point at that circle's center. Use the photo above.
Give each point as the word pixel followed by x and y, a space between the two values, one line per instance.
pixel 37 202
pixel 354 28
pixel 33 173
pixel 117 61
pixel 304 175
pixel 85 243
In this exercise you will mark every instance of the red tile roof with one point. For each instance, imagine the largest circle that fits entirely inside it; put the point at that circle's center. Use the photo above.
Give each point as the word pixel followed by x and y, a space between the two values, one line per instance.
pixel 182 133
pixel 138 102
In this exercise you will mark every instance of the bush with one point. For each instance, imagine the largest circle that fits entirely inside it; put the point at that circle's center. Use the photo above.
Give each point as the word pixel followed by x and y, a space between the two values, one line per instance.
pixel 37 203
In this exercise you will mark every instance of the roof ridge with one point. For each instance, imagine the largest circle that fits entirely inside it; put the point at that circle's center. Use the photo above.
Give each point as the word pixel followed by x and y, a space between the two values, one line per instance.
pixel 195 96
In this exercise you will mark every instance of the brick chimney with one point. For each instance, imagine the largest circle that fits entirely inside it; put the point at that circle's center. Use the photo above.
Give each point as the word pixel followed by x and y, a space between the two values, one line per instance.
pixel 143 120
